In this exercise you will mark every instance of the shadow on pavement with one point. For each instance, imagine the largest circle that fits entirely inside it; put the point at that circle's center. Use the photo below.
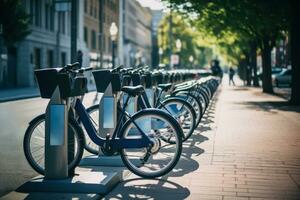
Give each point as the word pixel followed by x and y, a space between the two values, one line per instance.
pixel 271 106
pixel 187 164
pixel 240 88
pixel 139 188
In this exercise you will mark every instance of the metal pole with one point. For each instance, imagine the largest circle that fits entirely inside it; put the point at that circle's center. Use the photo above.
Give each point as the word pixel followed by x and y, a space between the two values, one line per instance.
pixel 74 20
pixel 113 54
pixel 101 12
pixel 171 37
pixel 58 39
pixel 121 32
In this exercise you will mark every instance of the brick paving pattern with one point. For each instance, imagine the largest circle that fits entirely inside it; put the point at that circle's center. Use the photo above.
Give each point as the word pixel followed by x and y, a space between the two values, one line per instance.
pixel 246 147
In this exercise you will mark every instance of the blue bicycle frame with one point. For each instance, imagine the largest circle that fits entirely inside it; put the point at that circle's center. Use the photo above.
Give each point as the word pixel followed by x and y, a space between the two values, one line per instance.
pixel 116 143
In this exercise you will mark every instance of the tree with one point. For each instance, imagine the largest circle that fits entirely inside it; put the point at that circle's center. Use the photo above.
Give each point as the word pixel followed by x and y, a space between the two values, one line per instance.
pixel 189 37
pixel 256 21
pixel 15 21
pixel 295 49
pixel 15 27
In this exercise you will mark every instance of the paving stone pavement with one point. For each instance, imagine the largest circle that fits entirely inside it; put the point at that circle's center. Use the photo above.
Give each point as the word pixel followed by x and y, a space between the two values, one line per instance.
pixel 246 147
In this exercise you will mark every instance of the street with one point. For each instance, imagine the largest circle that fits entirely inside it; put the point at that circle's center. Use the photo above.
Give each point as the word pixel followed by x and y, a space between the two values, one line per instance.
pixel 14 119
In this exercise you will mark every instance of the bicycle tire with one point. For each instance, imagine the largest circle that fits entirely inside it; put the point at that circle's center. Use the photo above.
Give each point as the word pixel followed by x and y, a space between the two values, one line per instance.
pixel 27 144
pixel 191 110
pixel 146 114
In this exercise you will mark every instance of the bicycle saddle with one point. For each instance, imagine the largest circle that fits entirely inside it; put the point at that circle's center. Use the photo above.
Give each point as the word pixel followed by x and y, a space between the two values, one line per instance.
pixel 133 90
pixel 184 88
pixel 165 87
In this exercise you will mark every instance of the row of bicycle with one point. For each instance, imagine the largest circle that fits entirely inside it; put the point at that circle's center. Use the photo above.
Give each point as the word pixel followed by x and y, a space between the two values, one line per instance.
pixel 156 111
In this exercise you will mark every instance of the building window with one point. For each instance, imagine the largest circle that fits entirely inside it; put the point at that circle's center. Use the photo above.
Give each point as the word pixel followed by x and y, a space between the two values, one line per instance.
pixel 31 11
pixel 47 13
pixel 36 12
pixel 50 58
pixel 95 12
pixel 51 17
pixel 93 42
pixel 63 58
pixel 91 8
pixel 85 35
pixel 62 21
pixel 86 6
pixel 37 58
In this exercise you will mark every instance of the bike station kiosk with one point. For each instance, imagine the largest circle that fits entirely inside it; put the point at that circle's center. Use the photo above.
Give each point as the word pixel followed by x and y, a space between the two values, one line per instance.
pixel 90 180
pixel 108 84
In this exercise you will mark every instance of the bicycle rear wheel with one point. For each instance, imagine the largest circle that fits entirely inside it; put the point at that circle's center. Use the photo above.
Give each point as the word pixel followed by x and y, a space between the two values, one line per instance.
pixel 159 159
pixel 183 112
pixel 34 144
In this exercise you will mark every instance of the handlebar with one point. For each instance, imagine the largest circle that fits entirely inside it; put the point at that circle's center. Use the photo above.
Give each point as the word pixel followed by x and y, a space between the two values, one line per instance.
pixel 72 66
pixel 75 68
pixel 85 69
pixel 117 68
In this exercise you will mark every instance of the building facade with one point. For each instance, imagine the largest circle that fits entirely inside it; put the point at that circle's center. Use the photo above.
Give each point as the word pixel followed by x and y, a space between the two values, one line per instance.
pixel 96 11
pixel 136 34
pixel 48 44
pixel 157 16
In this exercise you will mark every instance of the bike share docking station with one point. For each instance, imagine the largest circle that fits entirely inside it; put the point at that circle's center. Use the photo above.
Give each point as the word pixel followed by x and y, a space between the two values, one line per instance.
pixel 58 146
pixel 108 84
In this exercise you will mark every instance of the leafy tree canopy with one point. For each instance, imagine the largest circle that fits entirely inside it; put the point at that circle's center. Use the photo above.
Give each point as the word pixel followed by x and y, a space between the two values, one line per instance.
pixel 14 20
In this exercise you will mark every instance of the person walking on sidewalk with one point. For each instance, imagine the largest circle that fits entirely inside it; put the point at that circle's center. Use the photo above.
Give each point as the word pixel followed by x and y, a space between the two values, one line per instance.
pixel 231 75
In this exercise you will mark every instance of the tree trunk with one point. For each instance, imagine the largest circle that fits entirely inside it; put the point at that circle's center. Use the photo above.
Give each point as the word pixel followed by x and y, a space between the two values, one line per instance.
pixel 266 65
pixel 242 70
pixel 295 50
pixel 254 63
pixel 248 70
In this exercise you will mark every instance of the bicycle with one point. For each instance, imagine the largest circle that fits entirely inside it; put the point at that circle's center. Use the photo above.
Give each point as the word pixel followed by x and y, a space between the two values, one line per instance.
pixel 141 140
pixel 181 110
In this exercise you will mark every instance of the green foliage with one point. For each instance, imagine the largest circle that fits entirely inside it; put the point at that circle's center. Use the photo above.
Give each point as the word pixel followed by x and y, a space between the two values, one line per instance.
pixel 183 30
pixel 233 24
pixel 15 21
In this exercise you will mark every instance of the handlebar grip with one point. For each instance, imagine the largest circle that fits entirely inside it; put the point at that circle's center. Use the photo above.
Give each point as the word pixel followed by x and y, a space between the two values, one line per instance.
pixel 117 68
pixel 73 65
pixel 85 69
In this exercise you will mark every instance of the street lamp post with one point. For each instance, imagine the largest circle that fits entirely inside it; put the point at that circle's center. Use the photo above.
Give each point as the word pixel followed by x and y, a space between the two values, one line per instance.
pixel 113 30
pixel 191 59
pixel 160 53
pixel 178 46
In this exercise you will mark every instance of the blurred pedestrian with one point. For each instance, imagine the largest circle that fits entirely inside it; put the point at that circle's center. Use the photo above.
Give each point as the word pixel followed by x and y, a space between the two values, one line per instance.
pixel 216 69
pixel 231 75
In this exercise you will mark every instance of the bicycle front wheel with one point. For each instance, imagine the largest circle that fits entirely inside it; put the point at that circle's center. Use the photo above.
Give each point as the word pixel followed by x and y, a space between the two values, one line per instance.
pixel 159 159
pixel 34 144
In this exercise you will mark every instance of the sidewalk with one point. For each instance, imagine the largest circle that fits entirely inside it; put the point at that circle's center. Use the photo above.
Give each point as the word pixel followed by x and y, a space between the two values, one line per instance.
pixel 18 93
pixel 247 147
pixel 24 93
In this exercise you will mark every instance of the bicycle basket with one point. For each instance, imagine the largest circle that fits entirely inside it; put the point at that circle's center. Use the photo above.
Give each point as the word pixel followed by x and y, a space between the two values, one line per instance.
pixel 71 87
pixel 48 79
pixel 148 80
pixel 116 82
pixel 126 79
pixel 102 79
pixel 136 79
